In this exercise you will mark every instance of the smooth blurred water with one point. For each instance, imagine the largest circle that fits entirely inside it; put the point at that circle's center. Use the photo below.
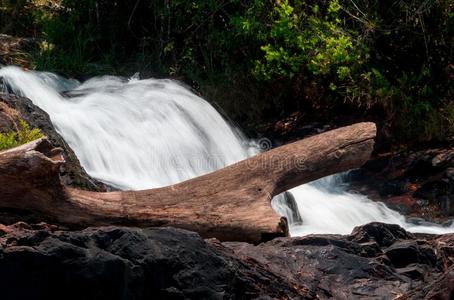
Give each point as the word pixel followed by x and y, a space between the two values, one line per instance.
pixel 326 207
pixel 138 134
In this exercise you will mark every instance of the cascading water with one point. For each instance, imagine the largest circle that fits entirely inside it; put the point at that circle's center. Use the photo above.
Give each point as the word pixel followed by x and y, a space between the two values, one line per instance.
pixel 137 134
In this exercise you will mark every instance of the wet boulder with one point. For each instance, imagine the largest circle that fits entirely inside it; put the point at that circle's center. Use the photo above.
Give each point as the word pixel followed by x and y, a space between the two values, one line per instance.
pixel 416 183
pixel 129 263
pixel 376 261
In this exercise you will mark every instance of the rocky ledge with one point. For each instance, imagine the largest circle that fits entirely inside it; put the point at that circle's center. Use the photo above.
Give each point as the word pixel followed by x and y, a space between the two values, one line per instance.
pixel 418 183
pixel 377 261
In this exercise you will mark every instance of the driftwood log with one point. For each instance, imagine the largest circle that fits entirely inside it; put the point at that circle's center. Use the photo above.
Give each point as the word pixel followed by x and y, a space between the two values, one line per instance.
pixel 233 203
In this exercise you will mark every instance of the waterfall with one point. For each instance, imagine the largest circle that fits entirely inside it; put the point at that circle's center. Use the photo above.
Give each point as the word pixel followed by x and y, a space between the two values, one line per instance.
pixel 138 134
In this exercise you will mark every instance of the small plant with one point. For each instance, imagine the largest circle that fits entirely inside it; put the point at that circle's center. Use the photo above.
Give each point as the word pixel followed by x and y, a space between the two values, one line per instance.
pixel 23 136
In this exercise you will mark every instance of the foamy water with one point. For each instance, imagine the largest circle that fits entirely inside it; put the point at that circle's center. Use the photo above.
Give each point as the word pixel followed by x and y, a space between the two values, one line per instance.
pixel 138 134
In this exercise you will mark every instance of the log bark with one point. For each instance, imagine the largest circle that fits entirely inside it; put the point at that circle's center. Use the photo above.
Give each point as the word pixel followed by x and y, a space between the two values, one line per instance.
pixel 233 203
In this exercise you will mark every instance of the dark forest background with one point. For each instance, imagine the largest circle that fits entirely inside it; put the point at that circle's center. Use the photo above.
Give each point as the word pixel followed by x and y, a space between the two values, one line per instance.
pixel 383 60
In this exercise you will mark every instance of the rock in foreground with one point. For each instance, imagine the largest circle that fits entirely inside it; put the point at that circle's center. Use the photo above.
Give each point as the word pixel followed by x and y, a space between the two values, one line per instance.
pixel 376 261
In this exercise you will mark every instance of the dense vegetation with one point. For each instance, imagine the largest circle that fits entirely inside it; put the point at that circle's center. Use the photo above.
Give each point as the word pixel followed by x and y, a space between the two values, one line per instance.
pixel 392 61
pixel 22 136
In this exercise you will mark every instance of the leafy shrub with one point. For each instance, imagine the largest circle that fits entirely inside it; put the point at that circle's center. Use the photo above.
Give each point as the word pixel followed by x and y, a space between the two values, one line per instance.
pixel 22 136
pixel 383 59
pixel 303 35
pixel 389 57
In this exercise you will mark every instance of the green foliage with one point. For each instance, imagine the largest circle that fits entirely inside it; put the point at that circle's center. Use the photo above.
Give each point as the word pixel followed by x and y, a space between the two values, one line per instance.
pixel 166 37
pixel 410 44
pixel 22 136
pixel 302 36
pixel 386 59
pixel 386 55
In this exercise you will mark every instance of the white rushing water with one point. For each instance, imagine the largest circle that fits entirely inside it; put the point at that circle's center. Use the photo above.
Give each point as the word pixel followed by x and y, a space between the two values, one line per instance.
pixel 137 134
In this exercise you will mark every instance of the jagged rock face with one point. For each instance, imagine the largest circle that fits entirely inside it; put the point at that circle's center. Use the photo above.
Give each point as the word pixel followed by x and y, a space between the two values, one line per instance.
pixel 126 263
pixel 376 261
pixel 418 183
pixel 12 108
pixel 167 263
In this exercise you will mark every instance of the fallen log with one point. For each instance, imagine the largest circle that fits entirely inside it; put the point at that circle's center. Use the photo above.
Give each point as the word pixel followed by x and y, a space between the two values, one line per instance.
pixel 233 203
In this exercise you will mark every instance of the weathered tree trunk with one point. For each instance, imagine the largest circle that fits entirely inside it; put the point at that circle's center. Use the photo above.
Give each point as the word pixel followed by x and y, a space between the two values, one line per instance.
pixel 230 204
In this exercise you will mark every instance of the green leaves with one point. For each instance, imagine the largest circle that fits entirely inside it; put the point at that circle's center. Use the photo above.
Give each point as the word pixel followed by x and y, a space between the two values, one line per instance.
pixel 22 136
pixel 393 56
pixel 303 37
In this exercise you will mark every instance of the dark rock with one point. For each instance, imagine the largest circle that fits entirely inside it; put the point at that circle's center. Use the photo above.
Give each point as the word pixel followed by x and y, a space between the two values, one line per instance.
pixel 289 207
pixel 420 222
pixel 415 183
pixel 42 262
pixel 392 188
pixel 403 253
pixel 448 223
pixel 416 220
pixel 413 271
pixel 442 288
pixel 383 234
pixel 350 267
pixel 450 174
pixel 404 203
pixel 432 189
pixel 445 158
pixel 445 250
pixel 127 263
pixel 446 204
pixel 72 173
